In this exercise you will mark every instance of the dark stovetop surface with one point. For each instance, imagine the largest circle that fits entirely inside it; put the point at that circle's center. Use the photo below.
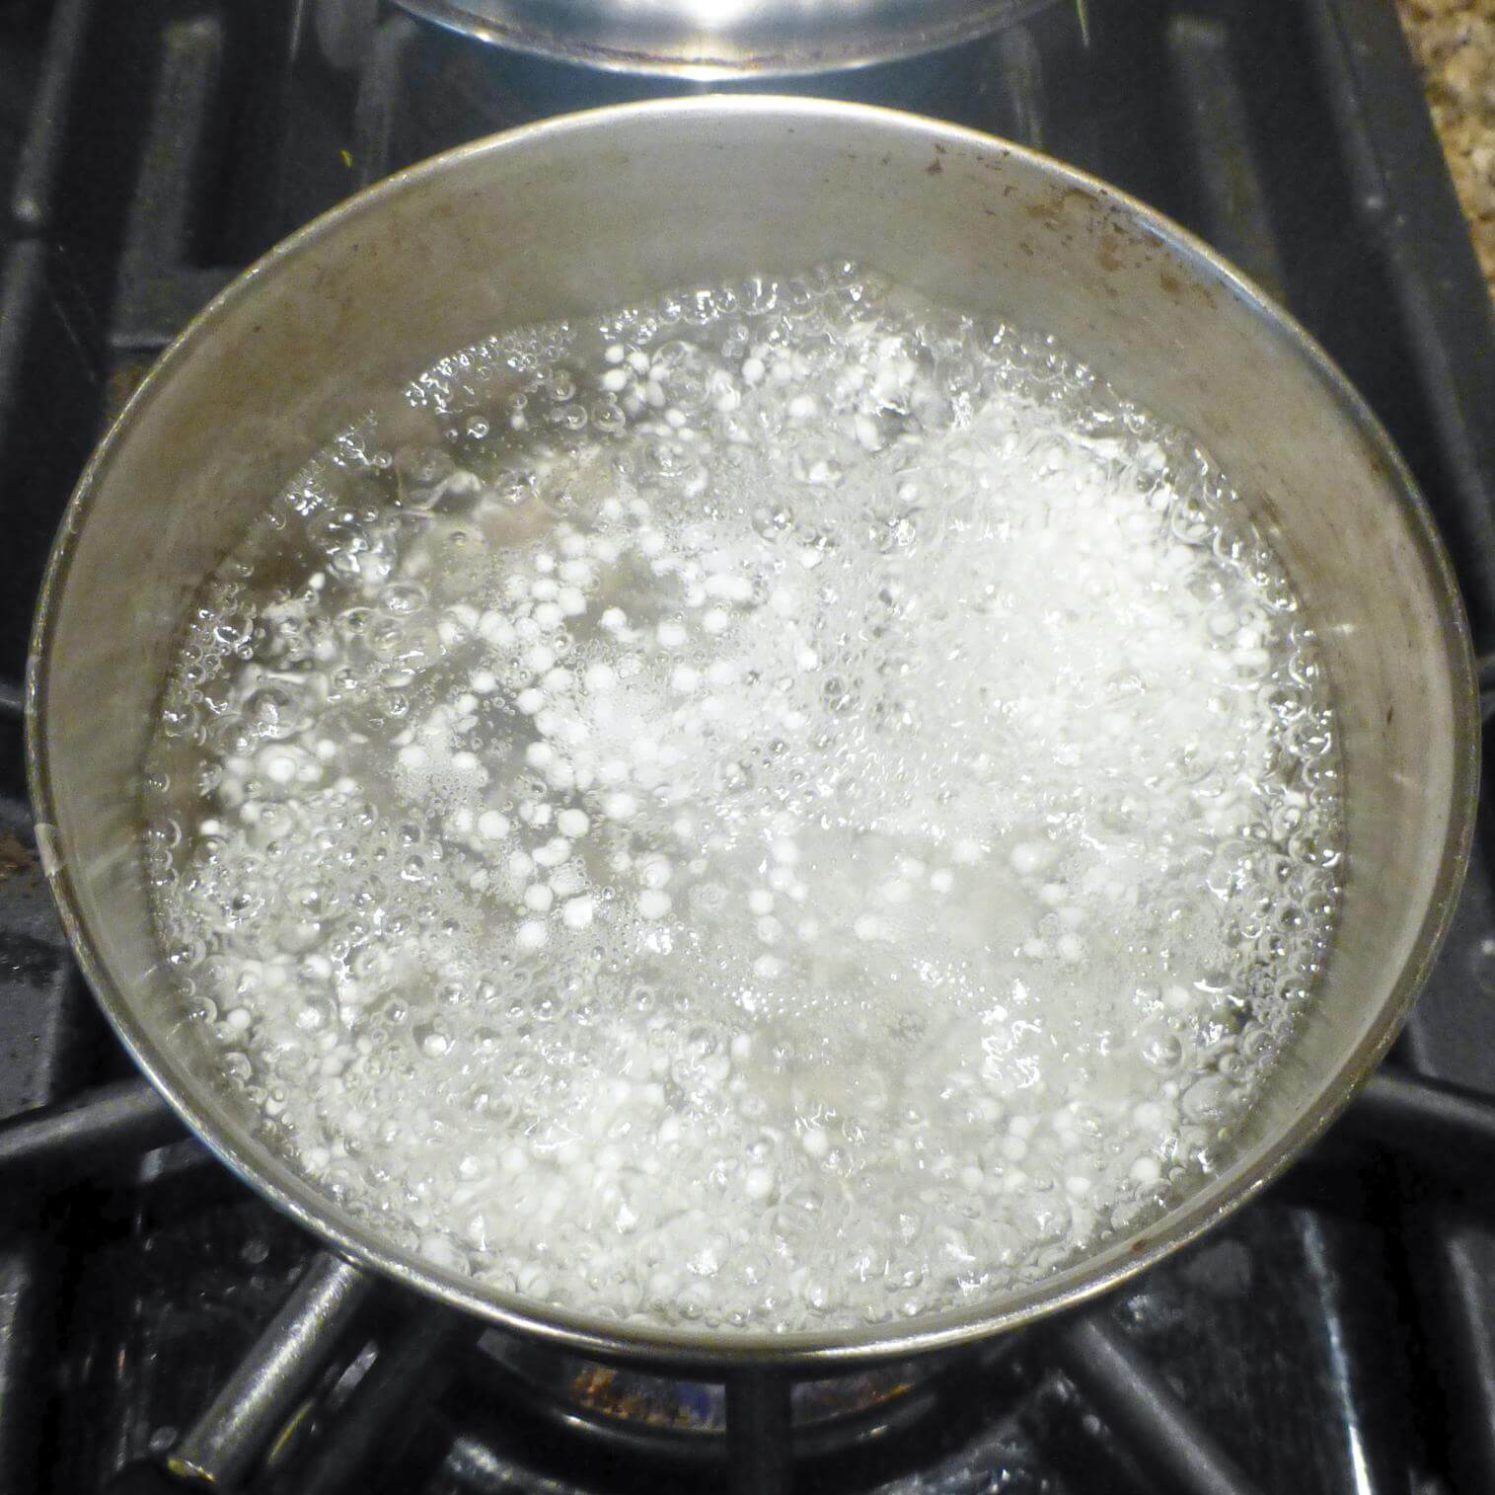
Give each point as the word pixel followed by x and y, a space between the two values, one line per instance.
pixel 1338 1336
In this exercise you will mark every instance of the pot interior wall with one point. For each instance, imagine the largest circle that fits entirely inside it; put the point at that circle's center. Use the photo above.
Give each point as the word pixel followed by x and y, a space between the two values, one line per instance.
pixel 583 215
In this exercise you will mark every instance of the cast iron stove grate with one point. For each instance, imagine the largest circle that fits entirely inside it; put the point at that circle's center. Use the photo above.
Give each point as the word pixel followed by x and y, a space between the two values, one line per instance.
pixel 1337 1336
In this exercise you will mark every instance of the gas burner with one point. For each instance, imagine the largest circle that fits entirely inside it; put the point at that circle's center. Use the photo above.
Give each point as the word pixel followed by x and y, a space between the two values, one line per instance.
pixel 629 1397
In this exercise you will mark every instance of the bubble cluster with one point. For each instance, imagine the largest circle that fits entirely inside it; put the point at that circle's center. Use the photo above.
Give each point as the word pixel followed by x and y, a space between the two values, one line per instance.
pixel 787 807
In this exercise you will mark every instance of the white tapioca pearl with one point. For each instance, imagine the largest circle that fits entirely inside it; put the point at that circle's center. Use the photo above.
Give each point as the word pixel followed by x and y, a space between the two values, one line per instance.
pixel 572 823
pixel 530 700
pixel 760 901
pixel 714 620
pixel 549 615
pixel 614 381
pixel 577 914
pixel 539 754
pixel 492 826
pixel 494 628
pixel 612 619
pixel 942 880
pixel 868 433
pixel 413 755
pixel 1145 1171
pixel 620 806
pixel 815 1142
pixel 538 897
pixel 600 678
pixel 768 967
pixel 768 929
pixel 671 635
pixel 653 903
pixel 1027 857
pixel 866 927
pixel 540 658
pixel 759 1183
pixel 753 370
pixel 1071 948
pixel 684 679
pixel 531 935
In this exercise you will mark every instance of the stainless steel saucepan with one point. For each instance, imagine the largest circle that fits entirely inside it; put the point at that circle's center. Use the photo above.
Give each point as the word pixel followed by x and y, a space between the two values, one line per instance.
pixel 594 211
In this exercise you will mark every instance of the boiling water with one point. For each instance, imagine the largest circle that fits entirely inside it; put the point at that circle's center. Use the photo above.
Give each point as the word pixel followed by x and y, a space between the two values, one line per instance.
pixel 785 808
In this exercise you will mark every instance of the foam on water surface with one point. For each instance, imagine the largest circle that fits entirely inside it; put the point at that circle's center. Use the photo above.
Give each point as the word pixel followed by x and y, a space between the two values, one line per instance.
pixel 785 808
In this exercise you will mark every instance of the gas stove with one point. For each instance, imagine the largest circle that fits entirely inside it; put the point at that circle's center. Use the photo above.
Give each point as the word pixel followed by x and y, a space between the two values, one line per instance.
pixel 1337 1337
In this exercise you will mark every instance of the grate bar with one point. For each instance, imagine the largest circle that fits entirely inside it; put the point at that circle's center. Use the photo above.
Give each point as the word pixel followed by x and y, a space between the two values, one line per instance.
pixel 1447 1127
pixel 1142 1410
pixel 60 1142
pixel 760 1447
pixel 34 189
pixel 1216 129
pixel 159 289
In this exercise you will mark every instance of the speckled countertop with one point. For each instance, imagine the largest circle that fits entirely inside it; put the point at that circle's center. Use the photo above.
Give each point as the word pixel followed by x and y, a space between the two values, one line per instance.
pixel 1454 42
